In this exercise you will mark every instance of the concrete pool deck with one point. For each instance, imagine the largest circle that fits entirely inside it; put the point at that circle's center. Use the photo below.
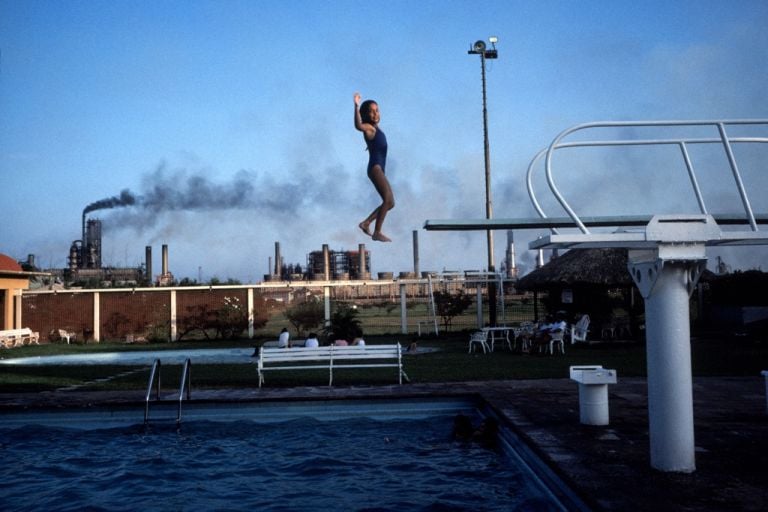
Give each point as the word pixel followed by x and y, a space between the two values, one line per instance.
pixel 609 467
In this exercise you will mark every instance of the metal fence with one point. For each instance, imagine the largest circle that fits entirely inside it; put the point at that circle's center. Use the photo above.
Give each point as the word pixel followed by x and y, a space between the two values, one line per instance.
pixel 382 307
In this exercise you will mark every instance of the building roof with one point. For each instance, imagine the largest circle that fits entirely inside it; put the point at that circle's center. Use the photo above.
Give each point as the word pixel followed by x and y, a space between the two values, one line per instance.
pixel 8 264
pixel 601 267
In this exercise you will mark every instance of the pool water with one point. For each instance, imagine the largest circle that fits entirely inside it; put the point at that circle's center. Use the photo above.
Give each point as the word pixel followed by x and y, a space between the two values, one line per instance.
pixel 142 357
pixel 305 463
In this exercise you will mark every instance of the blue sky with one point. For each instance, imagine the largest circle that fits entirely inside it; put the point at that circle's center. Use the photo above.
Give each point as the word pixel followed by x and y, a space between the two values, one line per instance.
pixel 232 121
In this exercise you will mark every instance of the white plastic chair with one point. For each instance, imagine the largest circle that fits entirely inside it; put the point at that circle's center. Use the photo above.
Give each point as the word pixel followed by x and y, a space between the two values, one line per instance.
pixel 556 340
pixel 479 338
pixel 580 329
pixel 525 334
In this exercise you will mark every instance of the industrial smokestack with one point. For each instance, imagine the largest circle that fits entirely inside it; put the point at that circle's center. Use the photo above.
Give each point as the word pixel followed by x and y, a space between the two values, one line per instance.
pixel 165 260
pixel 510 257
pixel 148 263
pixel 278 260
pixel 92 244
pixel 416 253
pixel 126 198
pixel 326 263
pixel 361 256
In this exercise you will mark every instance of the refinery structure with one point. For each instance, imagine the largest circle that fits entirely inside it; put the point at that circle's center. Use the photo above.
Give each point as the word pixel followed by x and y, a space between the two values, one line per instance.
pixel 85 264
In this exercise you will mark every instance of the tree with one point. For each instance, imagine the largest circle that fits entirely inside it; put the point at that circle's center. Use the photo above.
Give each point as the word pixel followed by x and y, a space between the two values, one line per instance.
pixel 448 305
pixel 227 322
pixel 344 324
pixel 306 315
pixel 116 325
pixel 231 318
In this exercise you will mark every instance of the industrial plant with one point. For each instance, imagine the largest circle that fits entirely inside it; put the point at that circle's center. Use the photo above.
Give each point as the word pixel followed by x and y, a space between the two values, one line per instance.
pixel 85 265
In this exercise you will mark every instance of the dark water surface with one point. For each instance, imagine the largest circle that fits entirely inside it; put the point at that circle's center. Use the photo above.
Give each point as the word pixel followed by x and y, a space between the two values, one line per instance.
pixel 301 464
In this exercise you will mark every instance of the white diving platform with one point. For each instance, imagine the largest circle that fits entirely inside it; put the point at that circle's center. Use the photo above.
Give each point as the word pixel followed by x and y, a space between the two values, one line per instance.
pixel 723 219
pixel 666 257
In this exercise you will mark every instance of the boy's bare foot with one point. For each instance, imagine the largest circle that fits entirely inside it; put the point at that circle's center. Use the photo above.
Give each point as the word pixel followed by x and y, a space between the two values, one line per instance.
pixel 364 226
pixel 379 237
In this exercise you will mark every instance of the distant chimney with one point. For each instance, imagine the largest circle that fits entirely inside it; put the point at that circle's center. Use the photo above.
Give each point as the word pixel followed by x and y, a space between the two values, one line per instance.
pixel 165 259
pixel 148 263
pixel 510 257
pixel 361 259
pixel 416 253
pixel 326 263
pixel 278 260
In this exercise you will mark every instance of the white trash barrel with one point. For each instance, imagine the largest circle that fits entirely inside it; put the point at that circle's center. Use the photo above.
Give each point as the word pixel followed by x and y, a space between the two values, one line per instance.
pixel 593 393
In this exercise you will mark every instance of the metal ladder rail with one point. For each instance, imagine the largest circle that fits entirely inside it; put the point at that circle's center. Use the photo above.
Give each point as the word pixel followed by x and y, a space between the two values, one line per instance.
pixel 155 371
pixel 186 382
pixel 681 142
pixel 432 309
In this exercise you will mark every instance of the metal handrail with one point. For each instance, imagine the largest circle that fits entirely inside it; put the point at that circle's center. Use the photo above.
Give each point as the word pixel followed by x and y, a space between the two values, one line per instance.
pixel 154 371
pixel 681 142
pixel 186 381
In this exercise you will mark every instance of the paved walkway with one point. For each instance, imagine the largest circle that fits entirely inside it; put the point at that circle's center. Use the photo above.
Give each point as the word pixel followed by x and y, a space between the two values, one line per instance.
pixel 608 466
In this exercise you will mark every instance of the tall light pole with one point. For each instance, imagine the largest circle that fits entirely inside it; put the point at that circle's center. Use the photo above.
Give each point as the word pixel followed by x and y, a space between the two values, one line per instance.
pixel 479 48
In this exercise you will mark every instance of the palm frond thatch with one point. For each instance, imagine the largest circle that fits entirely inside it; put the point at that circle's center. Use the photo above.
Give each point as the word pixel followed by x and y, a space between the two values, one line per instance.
pixel 602 267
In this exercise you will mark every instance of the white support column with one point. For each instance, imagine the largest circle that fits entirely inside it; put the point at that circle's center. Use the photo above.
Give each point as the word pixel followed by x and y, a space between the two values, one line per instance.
pixel 327 303
pixel 9 318
pixel 174 333
pixel 403 310
pixel 666 280
pixel 96 317
pixel 250 314
pixel 17 313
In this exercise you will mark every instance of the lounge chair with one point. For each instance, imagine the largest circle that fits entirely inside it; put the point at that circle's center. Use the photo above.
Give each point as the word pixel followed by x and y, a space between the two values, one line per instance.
pixel 580 329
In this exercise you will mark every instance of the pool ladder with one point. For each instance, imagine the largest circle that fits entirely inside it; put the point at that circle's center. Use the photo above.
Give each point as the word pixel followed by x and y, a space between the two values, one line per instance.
pixel 186 385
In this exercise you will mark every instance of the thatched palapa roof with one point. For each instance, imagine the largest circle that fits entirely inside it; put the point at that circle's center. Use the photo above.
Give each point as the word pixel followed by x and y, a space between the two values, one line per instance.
pixel 595 267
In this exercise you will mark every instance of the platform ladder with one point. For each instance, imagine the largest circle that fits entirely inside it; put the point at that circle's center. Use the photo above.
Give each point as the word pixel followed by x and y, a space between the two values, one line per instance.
pixel 666 257
pixel 185 388
pixel 431 322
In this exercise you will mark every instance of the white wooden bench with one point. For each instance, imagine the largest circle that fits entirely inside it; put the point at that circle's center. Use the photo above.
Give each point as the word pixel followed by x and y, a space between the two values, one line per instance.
pixel 332 358
pixel 18 337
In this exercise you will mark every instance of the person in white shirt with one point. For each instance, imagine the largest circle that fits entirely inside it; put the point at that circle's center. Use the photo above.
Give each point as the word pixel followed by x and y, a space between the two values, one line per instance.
pixel 284 340
pixel 312 341
pixel 545 330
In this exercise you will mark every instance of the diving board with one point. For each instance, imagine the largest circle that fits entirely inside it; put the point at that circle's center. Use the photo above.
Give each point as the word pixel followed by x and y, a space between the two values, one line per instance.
pixel 723 219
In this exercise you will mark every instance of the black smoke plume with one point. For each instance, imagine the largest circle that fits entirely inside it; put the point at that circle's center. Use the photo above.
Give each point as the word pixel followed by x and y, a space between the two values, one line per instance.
pixel 126 198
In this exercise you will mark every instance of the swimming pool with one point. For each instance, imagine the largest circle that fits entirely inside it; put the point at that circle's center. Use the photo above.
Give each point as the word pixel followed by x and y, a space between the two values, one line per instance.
pixel 345 455
pixel 147 357
pixel 142 357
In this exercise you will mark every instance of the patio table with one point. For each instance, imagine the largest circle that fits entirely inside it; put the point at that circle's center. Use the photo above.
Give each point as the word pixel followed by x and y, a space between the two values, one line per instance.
pixel 502 330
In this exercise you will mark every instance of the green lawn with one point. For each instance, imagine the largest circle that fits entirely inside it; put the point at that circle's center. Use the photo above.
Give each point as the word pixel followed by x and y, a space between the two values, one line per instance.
pixel 450 363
